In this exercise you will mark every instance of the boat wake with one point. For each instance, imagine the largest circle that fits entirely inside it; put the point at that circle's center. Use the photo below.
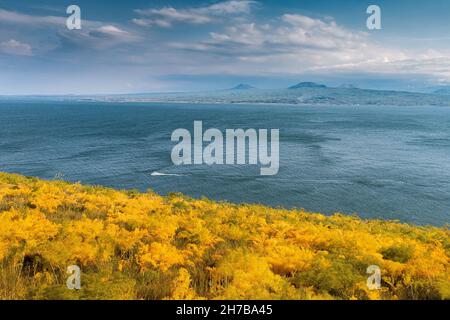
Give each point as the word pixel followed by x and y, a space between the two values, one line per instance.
pixel 160 174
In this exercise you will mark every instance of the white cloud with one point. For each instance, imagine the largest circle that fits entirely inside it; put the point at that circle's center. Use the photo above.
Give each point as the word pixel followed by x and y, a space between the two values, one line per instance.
pixel 300 44
pixel 99 38
pixel 93 35
pixel 13 17
pixel 165 17
pixel 295 33
pixel 228 7
pixel 172 14
pixel 305 31
pixel 290 45
pixel 111 31
pixel 19 18
pixel 15 47
pixel 152 22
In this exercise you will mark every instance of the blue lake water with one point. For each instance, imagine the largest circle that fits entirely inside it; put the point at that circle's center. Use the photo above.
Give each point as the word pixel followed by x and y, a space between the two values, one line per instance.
pixel 378 162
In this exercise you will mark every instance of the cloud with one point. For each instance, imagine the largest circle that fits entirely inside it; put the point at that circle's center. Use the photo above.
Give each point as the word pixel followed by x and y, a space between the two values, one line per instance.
pixel 152 22
pixel 25 19
pixel 229 7
pixel 296 44
pixel 296 33
pixel 98 38
pixel 303 31
pixel 110 31
pixel 53 33
pixel 230 39
pixel 299 45
pixel 172 14
pixel 15 47
pixel 165 17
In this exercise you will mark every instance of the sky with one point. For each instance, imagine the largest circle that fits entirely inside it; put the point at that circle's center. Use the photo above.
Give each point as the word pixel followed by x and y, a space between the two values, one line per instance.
pixel 137 46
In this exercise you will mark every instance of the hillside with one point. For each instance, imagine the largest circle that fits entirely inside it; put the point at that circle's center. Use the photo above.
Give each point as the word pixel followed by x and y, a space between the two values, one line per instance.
pixel 445 90
pixel 131 245
pixel 242 86
pixel 301 94
pixel 307 85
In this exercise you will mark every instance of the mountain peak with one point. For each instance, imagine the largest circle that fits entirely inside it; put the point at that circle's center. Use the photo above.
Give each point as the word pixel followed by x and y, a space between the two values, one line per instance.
pixel 307 85
pixel 243 86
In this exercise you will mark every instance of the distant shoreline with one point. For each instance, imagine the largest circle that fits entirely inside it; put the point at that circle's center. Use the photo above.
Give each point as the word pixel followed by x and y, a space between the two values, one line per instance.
pixel 306 96
pixel 281 104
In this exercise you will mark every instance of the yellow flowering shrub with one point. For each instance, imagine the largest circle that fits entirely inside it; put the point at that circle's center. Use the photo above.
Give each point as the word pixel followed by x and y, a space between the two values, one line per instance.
pixel 132 245
pixel 160 256
pixel 182 289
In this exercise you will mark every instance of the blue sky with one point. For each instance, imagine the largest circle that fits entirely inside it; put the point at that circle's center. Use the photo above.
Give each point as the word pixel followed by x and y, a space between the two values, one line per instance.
pixel 159 46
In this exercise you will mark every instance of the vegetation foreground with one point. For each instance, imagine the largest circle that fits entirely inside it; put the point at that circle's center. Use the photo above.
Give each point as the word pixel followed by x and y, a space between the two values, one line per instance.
pixel 131 245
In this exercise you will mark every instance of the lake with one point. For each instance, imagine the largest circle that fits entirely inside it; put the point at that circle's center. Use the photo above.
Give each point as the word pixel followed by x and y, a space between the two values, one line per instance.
pixel 378 162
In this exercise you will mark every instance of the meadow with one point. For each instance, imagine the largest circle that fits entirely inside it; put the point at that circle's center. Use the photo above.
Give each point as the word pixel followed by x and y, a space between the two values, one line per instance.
pixel 133 245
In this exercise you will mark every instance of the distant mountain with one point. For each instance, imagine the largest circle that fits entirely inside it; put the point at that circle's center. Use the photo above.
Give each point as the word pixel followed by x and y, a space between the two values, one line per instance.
pixel 443 90
pixel 243 86
pixel 306 93
pixel 302 85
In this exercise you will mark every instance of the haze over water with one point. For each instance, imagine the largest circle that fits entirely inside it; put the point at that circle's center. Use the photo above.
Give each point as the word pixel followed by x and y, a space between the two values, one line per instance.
pixel 379 162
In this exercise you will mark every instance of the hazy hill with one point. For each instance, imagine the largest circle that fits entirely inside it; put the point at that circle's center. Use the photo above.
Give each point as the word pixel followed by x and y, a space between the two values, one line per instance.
pixel 304 93
pixel 302 85
pixel 243 86
pixel 300 94
pixel 443 90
